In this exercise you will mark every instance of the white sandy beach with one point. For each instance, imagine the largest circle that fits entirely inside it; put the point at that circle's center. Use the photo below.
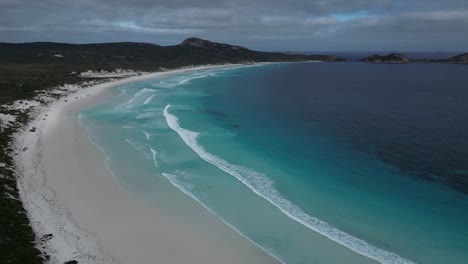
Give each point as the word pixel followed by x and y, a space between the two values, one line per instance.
pixel 70 193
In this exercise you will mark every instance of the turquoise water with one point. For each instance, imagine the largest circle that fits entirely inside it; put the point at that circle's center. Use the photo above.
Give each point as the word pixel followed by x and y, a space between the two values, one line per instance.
pixel 297 163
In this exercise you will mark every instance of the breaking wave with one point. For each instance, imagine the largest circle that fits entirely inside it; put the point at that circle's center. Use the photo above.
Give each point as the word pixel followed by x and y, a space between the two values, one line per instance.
pixel 264 187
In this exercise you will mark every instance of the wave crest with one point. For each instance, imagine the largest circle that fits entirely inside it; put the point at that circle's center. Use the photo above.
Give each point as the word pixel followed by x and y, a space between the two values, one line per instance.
pixel 264 187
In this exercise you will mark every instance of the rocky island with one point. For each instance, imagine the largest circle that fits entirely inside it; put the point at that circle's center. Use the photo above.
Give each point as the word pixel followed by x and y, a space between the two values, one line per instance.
pixel 399 58
pixel 459 59
pixel 390 58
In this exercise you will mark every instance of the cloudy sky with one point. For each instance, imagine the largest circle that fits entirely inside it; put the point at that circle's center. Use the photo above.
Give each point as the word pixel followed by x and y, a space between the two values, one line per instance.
pixel 314 25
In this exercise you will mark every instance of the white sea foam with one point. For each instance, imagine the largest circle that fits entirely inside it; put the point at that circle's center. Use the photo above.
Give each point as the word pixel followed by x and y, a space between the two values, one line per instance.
pixel 168 84
pixel 144 91
pixel 134 145
pixel 244 66
pixel 140 93
pixel 192 78
pixel 174 82
pixel 187 189
pixel 138 147
pixel 148 100
pixel 147 135
pixel 145 115
pixel 264 187
pixel 154 154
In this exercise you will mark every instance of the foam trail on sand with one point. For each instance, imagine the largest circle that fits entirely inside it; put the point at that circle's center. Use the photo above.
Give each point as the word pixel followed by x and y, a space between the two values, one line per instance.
pixel 186 189
pixel 264 187
pixel 154 155
pixel 134 145
pixel 138 147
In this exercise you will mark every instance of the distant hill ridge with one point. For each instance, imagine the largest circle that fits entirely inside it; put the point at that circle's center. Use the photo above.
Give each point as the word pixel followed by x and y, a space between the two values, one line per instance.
pixel 62 57
pixel 206 44
pixel 142 56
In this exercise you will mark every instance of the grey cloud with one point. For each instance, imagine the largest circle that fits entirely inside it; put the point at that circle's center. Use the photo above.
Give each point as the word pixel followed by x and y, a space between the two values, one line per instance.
pixel 261 24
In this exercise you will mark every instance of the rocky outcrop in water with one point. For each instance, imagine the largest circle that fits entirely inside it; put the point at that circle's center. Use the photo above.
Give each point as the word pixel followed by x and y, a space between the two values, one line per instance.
pixel 400 58
pixel 390 58
pixel 460 59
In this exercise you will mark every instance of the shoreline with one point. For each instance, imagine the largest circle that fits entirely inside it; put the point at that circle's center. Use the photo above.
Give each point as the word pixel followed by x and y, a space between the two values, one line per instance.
pixel 55 166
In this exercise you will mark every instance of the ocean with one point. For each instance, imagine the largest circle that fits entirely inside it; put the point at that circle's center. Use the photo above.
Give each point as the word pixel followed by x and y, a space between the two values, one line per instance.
pixel 313 162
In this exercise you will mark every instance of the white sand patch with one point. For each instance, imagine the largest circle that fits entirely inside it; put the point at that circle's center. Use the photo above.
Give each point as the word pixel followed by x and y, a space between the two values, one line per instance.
pixel 6 120
pixel 23 105
pixel 117 73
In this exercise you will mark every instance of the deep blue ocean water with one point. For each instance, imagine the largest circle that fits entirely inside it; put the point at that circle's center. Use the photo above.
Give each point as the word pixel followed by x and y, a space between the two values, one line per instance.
pixel 314 162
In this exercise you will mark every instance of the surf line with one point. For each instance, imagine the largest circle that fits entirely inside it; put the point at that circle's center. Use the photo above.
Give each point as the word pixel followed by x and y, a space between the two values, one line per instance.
pixel 176 183
pixel 264 187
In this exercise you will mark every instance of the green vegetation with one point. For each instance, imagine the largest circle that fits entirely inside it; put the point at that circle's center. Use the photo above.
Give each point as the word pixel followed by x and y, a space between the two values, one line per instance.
pixel 27 67
pixel 16 236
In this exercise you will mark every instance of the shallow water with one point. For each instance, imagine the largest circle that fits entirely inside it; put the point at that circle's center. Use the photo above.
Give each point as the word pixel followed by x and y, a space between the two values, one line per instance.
pixel 314 162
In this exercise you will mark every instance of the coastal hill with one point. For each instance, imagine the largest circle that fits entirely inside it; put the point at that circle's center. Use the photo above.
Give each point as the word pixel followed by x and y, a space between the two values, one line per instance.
pixel 26 67
pixel 400 58
pixel 230 52
pixel 141 56
pixel 205 44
